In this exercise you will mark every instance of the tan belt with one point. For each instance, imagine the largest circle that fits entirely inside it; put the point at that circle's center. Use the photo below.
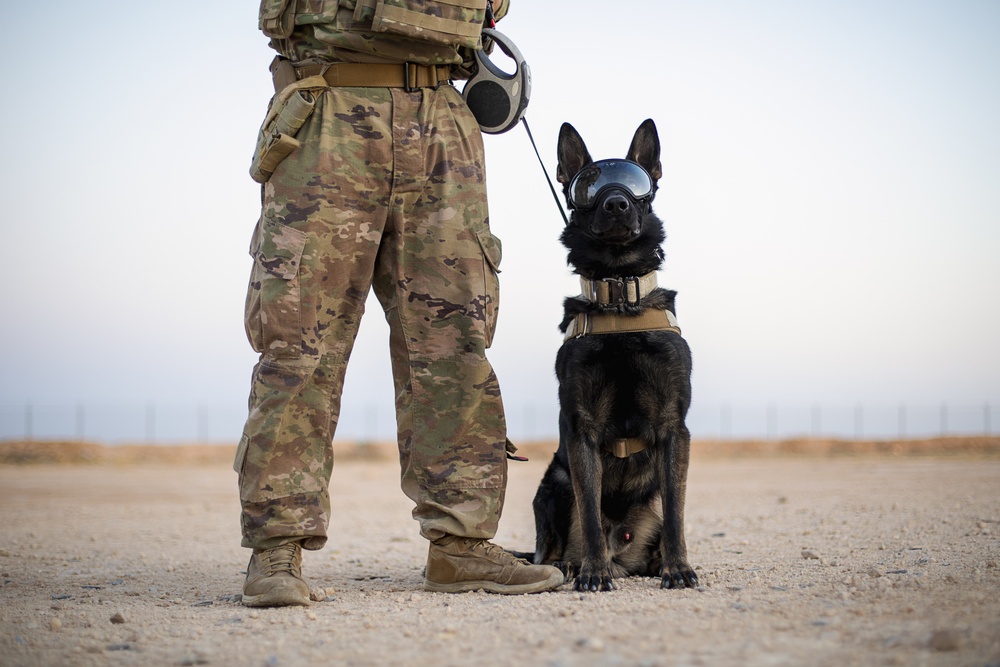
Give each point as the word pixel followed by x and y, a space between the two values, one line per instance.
pixel 409 76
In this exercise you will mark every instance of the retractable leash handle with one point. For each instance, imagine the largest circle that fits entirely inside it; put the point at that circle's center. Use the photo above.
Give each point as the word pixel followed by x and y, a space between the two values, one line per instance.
pixel 498 100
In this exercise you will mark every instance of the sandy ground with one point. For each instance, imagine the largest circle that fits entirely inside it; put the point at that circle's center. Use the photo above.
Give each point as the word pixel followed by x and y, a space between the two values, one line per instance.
pixel 803 560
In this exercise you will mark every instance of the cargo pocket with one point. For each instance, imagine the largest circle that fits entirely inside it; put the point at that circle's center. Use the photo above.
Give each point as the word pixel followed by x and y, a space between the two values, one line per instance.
pixel 492 253
pixel 276 138
pixel 449 22
pixel 273 304
pixel 239 462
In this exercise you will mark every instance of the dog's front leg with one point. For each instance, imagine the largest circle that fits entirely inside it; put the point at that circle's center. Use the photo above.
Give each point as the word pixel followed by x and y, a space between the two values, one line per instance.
pixel 586 469
pixel 672 469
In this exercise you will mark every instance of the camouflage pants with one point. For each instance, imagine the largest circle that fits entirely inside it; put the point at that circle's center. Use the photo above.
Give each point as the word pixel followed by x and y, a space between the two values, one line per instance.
pixel 387 191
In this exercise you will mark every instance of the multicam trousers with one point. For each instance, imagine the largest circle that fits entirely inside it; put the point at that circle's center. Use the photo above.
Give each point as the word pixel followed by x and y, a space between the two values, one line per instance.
pixel 387 191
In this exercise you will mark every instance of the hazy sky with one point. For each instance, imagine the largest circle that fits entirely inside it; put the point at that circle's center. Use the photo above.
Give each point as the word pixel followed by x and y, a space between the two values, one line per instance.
pixel 831 193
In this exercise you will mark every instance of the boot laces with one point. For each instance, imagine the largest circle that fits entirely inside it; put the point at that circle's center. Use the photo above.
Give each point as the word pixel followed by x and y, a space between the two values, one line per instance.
pixel 496 553
pixel 283 559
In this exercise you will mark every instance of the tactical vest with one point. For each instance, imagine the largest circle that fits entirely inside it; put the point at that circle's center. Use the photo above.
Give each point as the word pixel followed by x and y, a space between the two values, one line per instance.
pixel 456 23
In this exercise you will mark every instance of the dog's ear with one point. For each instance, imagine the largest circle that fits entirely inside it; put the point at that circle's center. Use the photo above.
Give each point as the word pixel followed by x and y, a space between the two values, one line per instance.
pixel 573 155
pixel 645 148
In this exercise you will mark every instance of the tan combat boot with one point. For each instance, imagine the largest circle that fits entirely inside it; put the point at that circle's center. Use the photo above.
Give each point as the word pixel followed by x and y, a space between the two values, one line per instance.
pixel 274 578
pixel 461 564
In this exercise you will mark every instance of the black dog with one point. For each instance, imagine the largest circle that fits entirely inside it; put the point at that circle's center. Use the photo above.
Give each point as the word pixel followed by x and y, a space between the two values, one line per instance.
pixel 611 503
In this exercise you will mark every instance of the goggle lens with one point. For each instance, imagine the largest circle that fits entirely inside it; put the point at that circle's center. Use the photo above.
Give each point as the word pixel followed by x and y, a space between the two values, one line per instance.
pixel 588 183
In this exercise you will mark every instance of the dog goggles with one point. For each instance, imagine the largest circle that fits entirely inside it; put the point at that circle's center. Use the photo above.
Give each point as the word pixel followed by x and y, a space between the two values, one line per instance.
pixel 588 184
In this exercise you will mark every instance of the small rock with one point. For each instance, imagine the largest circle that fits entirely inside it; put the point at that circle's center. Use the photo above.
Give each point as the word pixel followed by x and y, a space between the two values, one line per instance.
pixel 945 640
pixel 809 554
pixel 192 661
pixel 311 615
pixel 118 619
pixel 874 573
pixel 55 625
pixel 120 647
pixel 317 594
pixel 590 643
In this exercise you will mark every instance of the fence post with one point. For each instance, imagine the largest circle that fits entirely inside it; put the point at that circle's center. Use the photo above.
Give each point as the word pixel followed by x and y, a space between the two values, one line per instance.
pixel 80 416
pixel 371 427
pixel 202 424
pixel 150 423
pixel 725 422
pixel 529 432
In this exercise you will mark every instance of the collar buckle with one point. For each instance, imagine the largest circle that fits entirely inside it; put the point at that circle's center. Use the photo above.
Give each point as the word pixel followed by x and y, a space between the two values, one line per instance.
pixel 618 291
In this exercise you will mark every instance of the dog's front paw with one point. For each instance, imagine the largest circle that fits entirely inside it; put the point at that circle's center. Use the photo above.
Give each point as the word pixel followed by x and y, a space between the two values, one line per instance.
pixel 566 567
pixel 594 582
pixel 681 576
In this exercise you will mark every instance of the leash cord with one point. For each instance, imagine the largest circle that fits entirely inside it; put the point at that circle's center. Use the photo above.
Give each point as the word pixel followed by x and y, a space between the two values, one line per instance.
pixel 544 171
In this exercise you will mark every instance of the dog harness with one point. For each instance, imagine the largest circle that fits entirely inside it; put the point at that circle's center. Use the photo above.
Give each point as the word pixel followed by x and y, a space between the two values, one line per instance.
pixel 628 290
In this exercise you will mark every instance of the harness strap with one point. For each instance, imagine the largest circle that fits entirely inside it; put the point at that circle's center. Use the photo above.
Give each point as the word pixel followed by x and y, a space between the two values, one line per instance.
pixel 617 291
pixel 409 76
pixel 625 447
pixel 606 323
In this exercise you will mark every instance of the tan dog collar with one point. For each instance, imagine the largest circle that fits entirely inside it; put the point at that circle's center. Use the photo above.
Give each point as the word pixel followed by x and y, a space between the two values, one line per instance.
pixel 628 290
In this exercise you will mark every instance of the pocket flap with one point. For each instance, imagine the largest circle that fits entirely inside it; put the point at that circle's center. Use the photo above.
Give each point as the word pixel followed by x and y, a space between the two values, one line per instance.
pixel 280 249
pixel 492 248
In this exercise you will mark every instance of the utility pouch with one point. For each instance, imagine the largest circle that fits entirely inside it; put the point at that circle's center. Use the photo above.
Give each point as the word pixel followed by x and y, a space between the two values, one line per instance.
pixel 276 139
pixel 276 19
pixel 451 22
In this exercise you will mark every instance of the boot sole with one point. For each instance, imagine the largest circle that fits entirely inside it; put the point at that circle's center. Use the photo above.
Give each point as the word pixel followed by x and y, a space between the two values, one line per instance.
pixel 549 584
pixel 276 599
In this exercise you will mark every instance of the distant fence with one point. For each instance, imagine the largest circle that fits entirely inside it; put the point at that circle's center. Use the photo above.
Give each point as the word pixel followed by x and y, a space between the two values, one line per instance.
pixel 166 424
pixel 859 421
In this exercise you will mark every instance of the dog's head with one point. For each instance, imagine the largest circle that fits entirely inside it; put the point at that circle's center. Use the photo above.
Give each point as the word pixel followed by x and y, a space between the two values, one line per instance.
pixel 611 227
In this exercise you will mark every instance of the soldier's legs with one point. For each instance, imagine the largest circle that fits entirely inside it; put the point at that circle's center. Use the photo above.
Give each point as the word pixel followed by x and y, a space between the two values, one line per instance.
pixel 436 279
pixel 323 212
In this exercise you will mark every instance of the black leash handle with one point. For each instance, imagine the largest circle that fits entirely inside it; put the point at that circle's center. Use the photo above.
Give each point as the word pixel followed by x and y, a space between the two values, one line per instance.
pixel 544 171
